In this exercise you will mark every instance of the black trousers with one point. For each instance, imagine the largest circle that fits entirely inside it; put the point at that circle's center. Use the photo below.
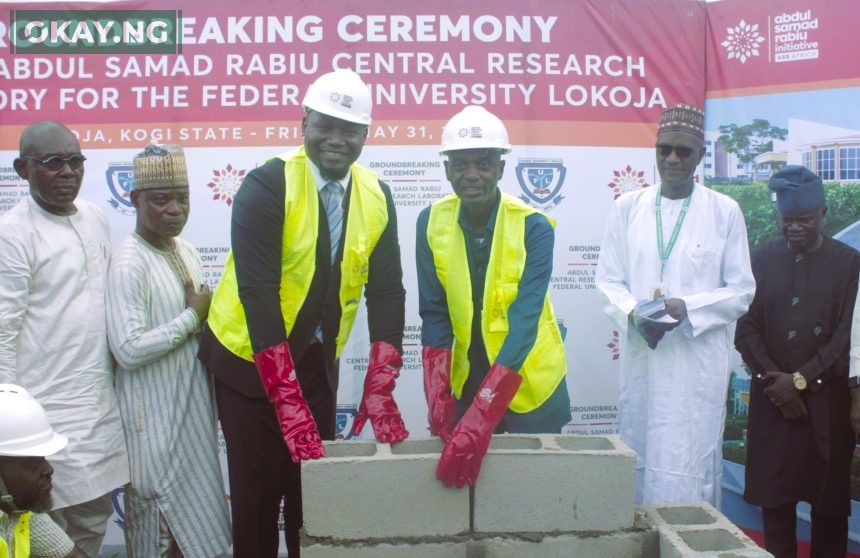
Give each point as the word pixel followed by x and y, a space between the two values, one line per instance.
pixel 260 468
pixel 829 533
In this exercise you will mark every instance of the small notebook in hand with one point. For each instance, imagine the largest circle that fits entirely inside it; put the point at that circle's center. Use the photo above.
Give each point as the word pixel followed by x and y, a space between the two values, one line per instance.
pixel 653 312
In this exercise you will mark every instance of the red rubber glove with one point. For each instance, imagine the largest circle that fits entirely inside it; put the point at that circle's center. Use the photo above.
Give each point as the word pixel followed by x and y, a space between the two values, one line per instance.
pixel 441 407
pixel 275 366
pixel 461 458
pixel 377 402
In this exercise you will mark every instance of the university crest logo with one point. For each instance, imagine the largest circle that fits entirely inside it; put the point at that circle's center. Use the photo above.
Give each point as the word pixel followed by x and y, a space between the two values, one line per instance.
pixel 343 421
pixel 541 180
pixel 120 181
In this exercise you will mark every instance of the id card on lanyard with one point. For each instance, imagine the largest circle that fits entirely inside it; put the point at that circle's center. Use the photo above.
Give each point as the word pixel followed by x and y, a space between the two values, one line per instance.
pixel 665 251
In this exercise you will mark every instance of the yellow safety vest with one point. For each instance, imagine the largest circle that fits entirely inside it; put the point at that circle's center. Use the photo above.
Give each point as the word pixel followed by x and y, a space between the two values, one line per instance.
pixel 545 366
pixel 367 218
pixel 21 542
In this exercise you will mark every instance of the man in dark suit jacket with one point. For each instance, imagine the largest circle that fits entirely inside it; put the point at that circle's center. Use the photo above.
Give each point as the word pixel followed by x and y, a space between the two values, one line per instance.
pixel 795 339
pixel 310 229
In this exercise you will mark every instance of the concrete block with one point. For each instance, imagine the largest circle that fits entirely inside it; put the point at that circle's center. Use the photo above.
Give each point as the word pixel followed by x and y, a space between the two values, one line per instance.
pixel 363 490
pixel 699 530
pixel 631 543
pixel 329 549
pixel 545 483
pixel 638 542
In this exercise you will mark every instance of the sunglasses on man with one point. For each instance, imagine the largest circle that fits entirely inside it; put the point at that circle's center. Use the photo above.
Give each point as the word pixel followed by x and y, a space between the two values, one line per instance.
pixel 681 151
pixel 56 162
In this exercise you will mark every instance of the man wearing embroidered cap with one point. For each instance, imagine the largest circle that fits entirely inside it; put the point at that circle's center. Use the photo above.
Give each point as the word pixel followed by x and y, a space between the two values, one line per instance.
pixel 26 439
pixel 685 247
pixel 795 340
pixel 54 253
pixel 493 354
pixel 311 232
pixel 156 302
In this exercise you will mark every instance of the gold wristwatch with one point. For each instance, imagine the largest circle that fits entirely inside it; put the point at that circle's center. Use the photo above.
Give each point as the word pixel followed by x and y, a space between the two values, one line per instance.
pixel 799 381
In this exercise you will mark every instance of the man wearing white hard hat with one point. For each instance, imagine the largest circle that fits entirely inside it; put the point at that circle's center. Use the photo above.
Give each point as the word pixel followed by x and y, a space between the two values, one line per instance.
pixel 26 438
pixel 311 230
pixel 493 355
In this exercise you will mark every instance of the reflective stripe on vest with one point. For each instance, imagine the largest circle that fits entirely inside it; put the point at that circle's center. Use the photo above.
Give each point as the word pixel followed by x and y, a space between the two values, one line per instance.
pixel 366 219
pixel 545 365
pixel 21 544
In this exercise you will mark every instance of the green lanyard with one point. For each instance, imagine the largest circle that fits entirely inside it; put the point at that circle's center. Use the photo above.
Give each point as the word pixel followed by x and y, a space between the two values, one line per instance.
pixel 664 252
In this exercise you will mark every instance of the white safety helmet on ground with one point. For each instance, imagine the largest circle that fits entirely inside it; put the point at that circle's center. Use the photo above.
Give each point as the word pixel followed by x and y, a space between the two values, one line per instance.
pixel 475 127
pixel 341 94
pixel 24 427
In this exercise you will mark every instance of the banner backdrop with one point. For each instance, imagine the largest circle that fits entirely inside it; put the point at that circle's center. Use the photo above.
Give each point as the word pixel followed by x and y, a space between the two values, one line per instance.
pixel 579 84
pixel 782 77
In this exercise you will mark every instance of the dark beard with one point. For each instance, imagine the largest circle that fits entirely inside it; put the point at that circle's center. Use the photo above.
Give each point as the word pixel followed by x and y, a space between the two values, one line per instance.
pixel 43 504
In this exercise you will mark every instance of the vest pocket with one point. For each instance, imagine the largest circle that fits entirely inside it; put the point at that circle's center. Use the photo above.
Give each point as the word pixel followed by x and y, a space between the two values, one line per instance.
pixel 356 266
pixel 497 314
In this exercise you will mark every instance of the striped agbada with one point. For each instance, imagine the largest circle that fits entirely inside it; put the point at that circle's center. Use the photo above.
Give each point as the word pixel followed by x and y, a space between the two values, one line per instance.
pixel 166 402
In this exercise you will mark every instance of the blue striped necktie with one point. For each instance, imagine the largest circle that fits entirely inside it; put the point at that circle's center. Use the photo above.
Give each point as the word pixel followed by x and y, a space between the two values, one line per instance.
pixel 334 214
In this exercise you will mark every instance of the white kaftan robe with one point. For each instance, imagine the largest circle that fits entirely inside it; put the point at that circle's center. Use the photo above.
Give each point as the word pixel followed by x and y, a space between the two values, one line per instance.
pixel 672 400
pixel 53 340
pixel 166 401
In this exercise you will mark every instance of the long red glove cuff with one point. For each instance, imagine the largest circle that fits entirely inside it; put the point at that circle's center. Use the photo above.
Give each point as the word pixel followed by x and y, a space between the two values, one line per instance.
pixel 496 393
pixel 461 458
pixel 275 366
pixel 377 401
pixel 441 407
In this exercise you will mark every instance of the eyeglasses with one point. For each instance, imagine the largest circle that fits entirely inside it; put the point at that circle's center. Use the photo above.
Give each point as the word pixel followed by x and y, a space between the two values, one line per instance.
pixel 681 151
pixel 56 162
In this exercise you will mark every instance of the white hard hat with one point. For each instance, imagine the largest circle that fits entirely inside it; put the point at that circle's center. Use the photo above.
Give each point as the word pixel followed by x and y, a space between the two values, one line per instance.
pixel 475 127
pixel 24 427
pixel 340 94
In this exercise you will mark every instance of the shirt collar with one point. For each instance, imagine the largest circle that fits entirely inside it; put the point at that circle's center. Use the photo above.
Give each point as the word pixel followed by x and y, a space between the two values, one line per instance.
pixel 491 222
pixel 321 182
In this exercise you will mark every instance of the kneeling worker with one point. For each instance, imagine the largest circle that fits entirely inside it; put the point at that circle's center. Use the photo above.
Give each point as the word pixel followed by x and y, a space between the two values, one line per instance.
pixel 26 438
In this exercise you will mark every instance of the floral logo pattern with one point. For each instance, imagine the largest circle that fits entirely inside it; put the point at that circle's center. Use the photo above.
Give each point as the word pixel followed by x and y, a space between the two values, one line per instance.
pixel 614 346
pixel 627 180
pixel 742 41
pixel 225 183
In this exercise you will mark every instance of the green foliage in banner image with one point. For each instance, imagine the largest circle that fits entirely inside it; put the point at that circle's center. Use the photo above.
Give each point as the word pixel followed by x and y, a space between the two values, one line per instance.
pixel 760 214
pixel 750 140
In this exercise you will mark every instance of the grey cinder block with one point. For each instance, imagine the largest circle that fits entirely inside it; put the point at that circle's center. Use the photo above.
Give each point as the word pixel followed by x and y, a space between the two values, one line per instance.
pixel 363 489
pixel 699 530
pixel 555 483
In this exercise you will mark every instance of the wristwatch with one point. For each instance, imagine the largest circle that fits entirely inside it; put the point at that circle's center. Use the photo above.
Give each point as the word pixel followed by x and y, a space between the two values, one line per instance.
pixel 799 381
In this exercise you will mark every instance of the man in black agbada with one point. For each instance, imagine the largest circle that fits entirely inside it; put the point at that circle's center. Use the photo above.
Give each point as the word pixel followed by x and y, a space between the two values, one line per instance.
pixel 795 340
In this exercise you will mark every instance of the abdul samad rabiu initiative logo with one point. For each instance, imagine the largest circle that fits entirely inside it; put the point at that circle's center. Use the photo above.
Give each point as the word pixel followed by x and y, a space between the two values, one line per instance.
pixel 225 183
pixel 742 42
